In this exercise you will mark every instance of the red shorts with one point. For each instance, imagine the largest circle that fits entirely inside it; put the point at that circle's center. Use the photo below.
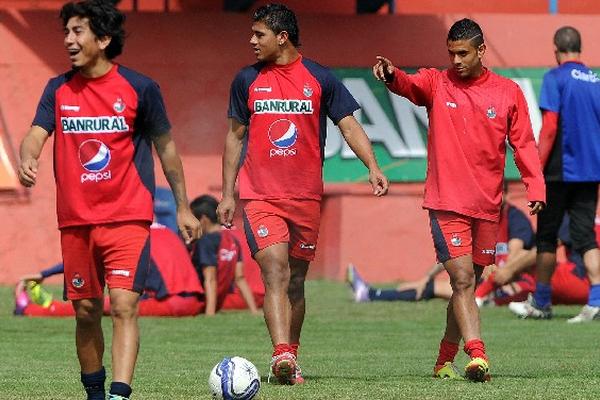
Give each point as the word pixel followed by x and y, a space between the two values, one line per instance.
pixel 455 235
pixel 116 253
pixel 567 287
pixel 296 222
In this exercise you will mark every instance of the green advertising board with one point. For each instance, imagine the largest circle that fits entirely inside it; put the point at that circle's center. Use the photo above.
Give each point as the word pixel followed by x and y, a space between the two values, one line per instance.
pixel 398 128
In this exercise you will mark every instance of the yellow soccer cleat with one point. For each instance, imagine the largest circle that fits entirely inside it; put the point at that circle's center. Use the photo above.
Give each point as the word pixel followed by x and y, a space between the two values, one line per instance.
pixel 447 371
pixel 477 370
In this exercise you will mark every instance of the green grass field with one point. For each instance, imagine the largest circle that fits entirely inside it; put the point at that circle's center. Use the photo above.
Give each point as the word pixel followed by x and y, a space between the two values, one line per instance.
pixel 349 351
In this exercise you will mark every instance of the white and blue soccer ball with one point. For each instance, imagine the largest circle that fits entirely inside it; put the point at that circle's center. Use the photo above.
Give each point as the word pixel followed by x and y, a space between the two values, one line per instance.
pixel 234 378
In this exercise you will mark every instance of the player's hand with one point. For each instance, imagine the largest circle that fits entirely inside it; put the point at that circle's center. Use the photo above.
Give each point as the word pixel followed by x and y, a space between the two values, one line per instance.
pixel 488 271
pixel 37 278
pixel 225 211
pixel 503 276
pixel 536 207
pixel 188 225
pixel 28 172
pixel 384 70
pixel 379 182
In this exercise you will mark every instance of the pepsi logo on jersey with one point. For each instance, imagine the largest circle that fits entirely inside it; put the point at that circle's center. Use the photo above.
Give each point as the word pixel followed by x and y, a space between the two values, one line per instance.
pixel 94 157
pixel 283 134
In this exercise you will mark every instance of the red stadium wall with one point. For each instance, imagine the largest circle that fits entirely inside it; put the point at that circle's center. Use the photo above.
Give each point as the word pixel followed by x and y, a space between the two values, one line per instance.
pixel 194 56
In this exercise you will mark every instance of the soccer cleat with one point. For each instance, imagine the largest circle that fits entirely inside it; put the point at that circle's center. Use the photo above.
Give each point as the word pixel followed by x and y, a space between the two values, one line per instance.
pixel 116 397
pixel 283 368
pixel 359 286
pixel 21 302
pixel 477 370
pixel 528 309
pixel 298 379
pixel 39 295
pixel 587 314
pixel 447 371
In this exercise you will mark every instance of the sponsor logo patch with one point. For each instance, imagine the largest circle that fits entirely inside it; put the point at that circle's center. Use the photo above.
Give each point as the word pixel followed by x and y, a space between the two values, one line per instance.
pixel 94 157
pixel 283 134
pixel 106 124
pixel 281 106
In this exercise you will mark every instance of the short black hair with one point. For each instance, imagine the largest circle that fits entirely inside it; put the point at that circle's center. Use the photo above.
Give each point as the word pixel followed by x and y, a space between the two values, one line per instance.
pixel 466 29
pixel 205 205
pixel 567 40
pixel 104 18
pixel 279 18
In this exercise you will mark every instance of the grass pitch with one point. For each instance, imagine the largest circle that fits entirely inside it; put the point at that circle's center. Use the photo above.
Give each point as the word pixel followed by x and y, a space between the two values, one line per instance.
pixel 349 351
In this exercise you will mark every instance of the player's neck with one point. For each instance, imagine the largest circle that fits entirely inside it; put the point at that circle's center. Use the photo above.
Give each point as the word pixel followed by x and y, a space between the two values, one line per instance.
pixel 100 67
pixel 562 58
pixel 287 56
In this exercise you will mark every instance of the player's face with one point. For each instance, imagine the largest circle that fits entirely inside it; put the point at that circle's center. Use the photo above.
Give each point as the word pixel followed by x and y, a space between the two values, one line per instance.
pixel 83 46
pixel 265 42
pixel 466 58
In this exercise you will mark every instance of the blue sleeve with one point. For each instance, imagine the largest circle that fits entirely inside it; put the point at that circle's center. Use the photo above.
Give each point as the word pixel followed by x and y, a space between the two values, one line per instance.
pixel 55 270
pixel 335 97
pixel 239 94
pixel 550 93
pixel 152 115
pixel 519 227
pixel 205 254
pixel 45 115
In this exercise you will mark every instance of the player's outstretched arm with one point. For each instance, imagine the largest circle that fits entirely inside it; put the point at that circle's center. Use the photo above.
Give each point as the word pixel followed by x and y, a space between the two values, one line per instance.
pixel 242 284
pixel 210 289
pixel 173 170
pixel 358 141
pixel 30 150
pixel 383 70
pixel 231 161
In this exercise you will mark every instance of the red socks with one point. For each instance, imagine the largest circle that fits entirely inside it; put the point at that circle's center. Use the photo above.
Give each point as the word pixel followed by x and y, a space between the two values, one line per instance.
pixel 448 351
pixel 282 348
pixel 486 287
pixel 294 347
pixel 475 348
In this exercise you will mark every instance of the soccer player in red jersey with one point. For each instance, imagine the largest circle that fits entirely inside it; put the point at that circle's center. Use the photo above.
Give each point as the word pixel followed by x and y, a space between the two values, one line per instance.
pixel 217 258
pixel 277 112
pixel 472 112
pixel 105 118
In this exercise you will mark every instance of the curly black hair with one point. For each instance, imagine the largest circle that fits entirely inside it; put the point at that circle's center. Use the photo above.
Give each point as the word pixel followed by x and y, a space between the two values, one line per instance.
pixel 104 18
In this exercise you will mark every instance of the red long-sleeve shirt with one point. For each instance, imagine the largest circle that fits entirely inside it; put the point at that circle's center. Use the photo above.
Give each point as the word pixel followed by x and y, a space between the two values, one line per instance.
pixel 469 122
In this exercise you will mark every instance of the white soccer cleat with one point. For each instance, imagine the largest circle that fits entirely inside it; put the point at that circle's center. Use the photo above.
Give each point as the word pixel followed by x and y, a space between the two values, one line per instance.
pixel 587 314
pixel 528 309
pixel 359 286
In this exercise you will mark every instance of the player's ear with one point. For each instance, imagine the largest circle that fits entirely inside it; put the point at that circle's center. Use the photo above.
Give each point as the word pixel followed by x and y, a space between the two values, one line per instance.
pixel 282 37
pixel 103 42
pixel 481 50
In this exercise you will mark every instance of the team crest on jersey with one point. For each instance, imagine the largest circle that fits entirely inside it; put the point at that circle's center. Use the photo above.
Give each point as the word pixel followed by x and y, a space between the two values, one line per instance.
pixel 119 105
pixel 307 90
pixel 455 240
pixel 491 112
pixel 262 231
pixel 77 281
pixel 227 255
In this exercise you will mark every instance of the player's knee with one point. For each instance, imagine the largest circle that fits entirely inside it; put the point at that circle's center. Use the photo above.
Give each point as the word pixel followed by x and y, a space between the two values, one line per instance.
pixel 276 275
pixel 88 314
pixel 123 310
pixel 296 288
pixel 463 281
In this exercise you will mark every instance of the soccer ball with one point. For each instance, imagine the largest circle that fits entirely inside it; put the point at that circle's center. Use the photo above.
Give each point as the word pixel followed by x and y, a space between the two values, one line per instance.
pixel 234 378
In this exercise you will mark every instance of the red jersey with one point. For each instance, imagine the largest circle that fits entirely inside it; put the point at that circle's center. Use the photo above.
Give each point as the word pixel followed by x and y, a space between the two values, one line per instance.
pixel 285 109
pixel 171 270
pixel 103 162
pixel 469 123
pixel 221 250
